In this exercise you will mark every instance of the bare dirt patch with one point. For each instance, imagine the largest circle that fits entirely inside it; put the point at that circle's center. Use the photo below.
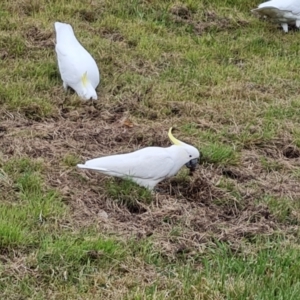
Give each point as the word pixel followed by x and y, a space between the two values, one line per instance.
pixel 37 38
pixel 291 152
pixel 181 14
pixel 199 207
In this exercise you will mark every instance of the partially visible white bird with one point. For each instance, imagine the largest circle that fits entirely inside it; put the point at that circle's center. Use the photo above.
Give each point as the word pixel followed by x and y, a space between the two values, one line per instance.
pixel 77 67
pixel 147 166
pixel 281 11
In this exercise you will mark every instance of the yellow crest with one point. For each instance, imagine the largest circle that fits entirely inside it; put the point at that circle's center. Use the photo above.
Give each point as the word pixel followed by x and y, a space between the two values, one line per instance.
pixel 84 79
pixel 174 140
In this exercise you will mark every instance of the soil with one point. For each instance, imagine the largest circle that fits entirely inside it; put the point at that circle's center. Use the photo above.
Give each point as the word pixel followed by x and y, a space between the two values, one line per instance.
pixel 199 206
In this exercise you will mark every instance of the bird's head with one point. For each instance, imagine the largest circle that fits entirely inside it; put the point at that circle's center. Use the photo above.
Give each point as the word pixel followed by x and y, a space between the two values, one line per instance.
pixel 191 153
pixel 88 92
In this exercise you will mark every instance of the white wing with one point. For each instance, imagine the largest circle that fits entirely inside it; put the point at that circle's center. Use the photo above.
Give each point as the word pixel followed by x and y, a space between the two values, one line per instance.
pixel 148 163
pixel 68 67
pixel 292 6
pixel 73 59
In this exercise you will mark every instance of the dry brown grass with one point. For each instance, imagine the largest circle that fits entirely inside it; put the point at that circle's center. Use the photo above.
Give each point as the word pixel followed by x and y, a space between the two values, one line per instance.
pixel 227 81
pixel 200 205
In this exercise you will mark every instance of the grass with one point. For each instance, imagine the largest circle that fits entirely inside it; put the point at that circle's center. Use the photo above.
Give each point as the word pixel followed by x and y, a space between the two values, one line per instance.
pixel 226 80
pixel 256 273
pixel 129 194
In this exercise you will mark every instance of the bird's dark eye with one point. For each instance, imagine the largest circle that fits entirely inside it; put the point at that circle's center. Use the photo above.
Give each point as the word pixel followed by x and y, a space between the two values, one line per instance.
pixel 190 155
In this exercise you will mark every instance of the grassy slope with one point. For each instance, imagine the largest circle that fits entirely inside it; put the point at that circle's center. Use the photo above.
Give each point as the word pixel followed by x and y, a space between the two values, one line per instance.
pixel 227 80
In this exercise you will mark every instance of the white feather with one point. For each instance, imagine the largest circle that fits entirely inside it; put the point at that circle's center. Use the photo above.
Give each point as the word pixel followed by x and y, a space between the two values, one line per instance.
pixel 281 11
pixel 146 166
pixel 77 67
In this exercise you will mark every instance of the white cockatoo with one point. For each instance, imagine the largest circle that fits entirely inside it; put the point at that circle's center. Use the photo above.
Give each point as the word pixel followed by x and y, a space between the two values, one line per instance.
pixel 281 11
pixel 77 67
pixel 147 166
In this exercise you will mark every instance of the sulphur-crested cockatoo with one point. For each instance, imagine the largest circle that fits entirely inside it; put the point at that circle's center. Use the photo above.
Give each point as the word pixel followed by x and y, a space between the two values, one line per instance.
pixel 281 11
pixel 77 67
pixel 147 166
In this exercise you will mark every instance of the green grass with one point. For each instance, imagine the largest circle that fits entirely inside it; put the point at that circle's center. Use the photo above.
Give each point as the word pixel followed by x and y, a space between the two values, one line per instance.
pixel 71 160
pixel 225 79
pixel 268 273
pixel 283 208
pixel 128 193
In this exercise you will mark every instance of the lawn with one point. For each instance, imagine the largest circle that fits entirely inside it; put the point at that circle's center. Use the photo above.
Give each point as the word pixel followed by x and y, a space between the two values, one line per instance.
pixel 227 81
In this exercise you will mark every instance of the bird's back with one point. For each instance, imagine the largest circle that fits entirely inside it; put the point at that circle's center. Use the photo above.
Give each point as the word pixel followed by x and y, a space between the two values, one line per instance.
pixel 150 162
pixel 64 33
pixel 73 59
pixel 292 6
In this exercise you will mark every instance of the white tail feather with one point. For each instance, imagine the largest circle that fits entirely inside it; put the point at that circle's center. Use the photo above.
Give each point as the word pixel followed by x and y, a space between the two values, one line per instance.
pixel 81 166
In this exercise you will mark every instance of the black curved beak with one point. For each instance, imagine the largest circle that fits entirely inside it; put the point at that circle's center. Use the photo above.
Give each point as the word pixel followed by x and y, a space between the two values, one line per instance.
pixel 192 164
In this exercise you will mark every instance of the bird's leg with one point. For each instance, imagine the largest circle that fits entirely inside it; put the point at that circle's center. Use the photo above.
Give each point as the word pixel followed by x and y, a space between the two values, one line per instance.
pixel 285 27
pixel 65 86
